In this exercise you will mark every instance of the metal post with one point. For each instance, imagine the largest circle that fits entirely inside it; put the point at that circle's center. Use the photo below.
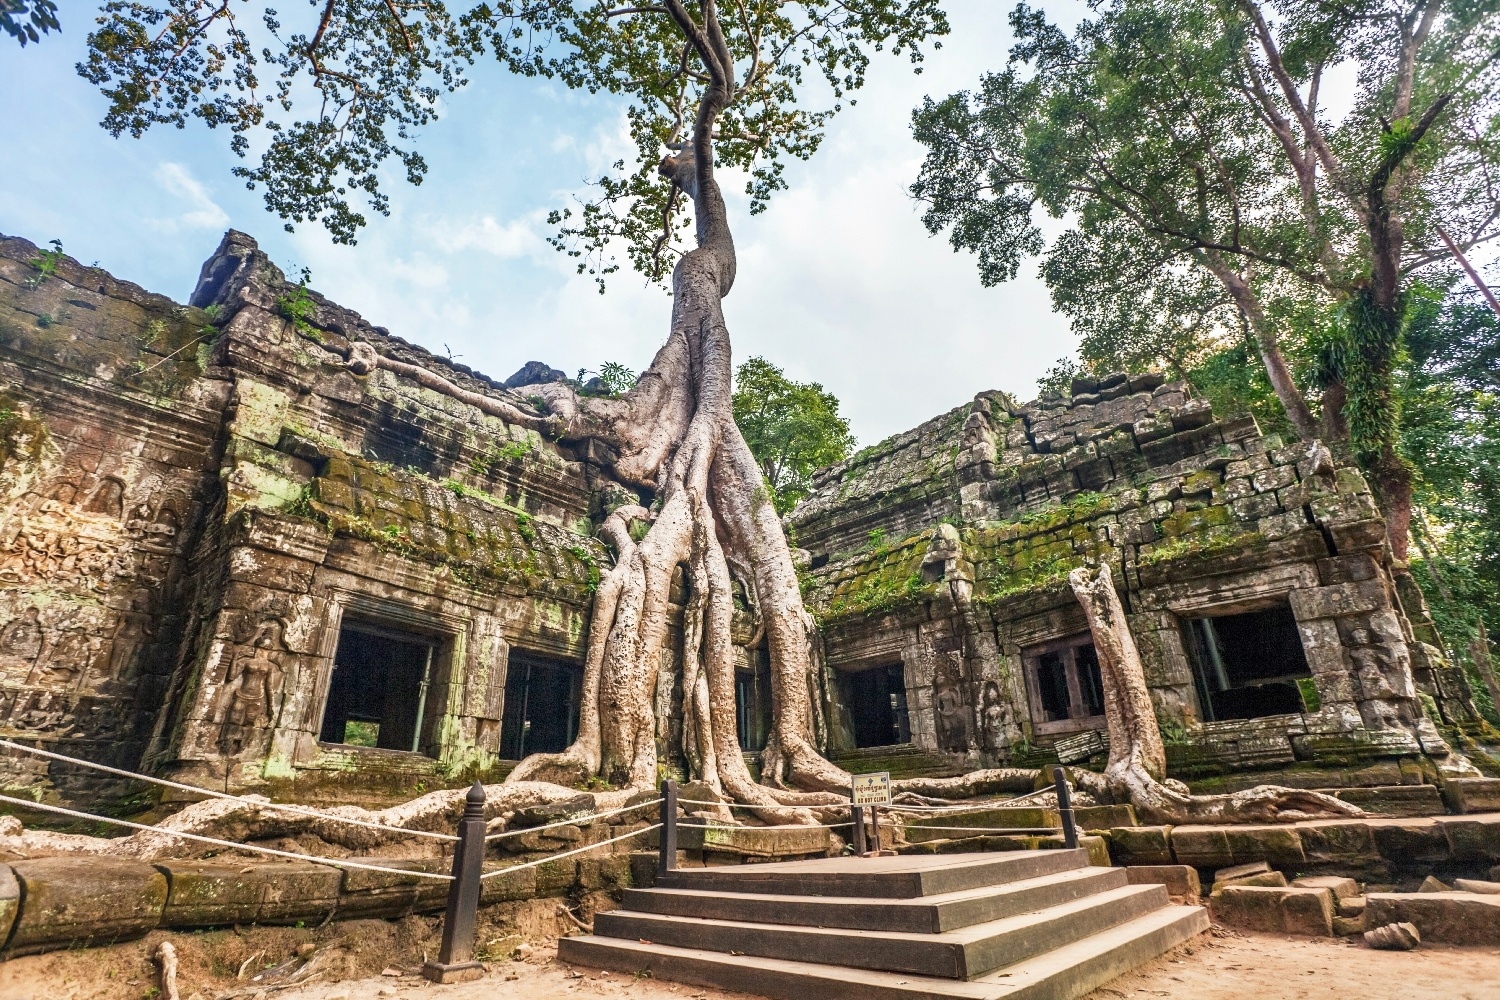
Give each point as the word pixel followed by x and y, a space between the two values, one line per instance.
pixel 455 962
pixel 667 858
pixel 875 827
pixel 1065 807
pixel 858 815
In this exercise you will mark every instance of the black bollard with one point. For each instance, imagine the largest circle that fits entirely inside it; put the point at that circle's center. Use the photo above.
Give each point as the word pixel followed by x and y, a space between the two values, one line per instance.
pixel 455 962
pixel 667 857
pixel 858 815
pixel 1065 808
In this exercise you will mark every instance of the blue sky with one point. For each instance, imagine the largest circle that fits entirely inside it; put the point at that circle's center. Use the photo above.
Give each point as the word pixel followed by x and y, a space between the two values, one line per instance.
pixel 838 281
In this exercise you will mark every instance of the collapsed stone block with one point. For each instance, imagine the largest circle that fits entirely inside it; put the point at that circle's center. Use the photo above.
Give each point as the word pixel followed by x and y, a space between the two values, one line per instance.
pixel 1472 795
pixel 524 883
pixel 1394 937
pixel 1342 888
pixel 215 893
pixel 1141 845
pixel 1277 910
pixel 85 900
pixel 1181 880
pixel 1442 917
pixel 368 893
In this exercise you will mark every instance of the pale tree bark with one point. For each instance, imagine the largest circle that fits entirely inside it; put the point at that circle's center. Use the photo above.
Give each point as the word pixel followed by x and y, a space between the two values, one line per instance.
pixel 675 436
pixel 1136 772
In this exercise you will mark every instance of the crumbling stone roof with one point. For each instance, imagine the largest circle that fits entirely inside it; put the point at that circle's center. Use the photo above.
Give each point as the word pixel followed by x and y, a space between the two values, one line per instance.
pixel 1132 469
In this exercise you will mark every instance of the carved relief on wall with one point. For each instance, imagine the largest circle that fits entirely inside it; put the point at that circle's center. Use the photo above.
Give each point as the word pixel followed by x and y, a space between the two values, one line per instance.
pixel 950 702
pixel 88 545
pixel 249 700
pixel 994 717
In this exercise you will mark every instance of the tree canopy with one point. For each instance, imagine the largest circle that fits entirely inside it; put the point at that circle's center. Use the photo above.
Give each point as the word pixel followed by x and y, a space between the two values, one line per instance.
pixel 28 20
pixel 320 102
pixel 1214 200
pixel 792 428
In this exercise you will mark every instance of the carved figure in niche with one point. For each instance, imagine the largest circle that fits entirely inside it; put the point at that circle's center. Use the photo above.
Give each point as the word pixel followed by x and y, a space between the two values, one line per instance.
pixel 108 498
pixel 136 629
pixel 994 716
pixel 250 688
pixel 948 703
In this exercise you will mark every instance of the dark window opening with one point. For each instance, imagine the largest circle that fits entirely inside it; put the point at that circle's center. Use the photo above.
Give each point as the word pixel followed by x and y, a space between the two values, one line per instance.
pixel 877 706
pixel 1247 666
pixel 541 706
pixel 752 698
pixel 1067 692
pixel 379 693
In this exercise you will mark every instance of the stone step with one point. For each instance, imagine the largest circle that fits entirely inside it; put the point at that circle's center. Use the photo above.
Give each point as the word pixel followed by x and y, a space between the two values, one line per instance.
pixel 966 953
pixel 922 915
pixel 1061 974
pixel 882 878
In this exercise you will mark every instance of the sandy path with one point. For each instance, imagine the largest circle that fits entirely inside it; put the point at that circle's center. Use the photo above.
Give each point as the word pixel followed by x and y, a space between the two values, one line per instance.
pixel 1228 965
pixel 1222 965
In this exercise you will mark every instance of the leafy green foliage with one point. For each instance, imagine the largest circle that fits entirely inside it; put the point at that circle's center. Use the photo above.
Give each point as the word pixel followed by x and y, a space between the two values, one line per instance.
pixel 1216 212
pixel 792 428
pixel 343 88
pixel 613 379
pixel 1449 383
pixel 299 307
pixel 45 264
pixel 27 20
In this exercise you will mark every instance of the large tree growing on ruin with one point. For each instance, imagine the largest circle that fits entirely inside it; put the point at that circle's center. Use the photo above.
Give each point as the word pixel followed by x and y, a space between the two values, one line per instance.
pixel 706 86
pixel 1215 184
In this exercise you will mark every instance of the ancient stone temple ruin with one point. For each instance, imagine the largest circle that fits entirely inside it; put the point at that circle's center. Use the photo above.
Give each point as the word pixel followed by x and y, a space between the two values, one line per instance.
pixel 233 553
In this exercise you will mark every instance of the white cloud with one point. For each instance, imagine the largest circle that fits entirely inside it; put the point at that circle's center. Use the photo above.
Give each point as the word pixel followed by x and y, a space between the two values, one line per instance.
pixel 517 238
pixel 201 210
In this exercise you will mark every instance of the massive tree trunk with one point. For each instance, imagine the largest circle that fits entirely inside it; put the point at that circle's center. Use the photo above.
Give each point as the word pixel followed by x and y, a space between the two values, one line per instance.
pixel 1136 772
pixel 677 441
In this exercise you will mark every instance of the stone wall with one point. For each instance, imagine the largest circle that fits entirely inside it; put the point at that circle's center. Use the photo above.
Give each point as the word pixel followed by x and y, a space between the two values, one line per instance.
pixel 195 501
pixel 196 497
pixel 946 549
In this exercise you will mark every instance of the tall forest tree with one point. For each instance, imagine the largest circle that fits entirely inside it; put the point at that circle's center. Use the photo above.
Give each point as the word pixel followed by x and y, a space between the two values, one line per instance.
pixel 793 428
pixel 706 88
pixel 1212 193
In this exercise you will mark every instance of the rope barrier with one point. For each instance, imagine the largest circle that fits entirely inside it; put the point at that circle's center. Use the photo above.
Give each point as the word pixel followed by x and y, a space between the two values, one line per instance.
pixel 331 862
pixel 576 850
pixel 295 810
pixel 789 826
pixel 571 822
pixel 970 807
pixel 774 805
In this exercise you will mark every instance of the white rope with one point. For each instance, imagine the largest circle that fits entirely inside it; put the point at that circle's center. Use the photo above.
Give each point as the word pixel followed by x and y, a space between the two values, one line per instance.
pixel 571 822
pixel 972 806
pixel 331 862
pixel 1018 830
pixel 576 850
pixel 297 810
pixel 774 805
pixel 789 826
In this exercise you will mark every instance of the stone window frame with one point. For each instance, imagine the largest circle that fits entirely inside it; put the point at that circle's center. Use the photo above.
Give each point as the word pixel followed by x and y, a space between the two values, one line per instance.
pixel 1030 663
pixel 450 633
pixel 1205 606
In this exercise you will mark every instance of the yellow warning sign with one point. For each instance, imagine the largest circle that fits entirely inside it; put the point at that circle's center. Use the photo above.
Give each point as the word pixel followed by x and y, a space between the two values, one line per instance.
pixel 872 789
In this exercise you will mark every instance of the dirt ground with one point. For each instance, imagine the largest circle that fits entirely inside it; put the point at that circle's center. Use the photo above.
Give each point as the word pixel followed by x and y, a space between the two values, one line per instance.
pixel 346 962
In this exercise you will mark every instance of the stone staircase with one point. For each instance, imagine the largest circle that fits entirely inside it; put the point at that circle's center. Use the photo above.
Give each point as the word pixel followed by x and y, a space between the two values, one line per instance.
pixel 1039 925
